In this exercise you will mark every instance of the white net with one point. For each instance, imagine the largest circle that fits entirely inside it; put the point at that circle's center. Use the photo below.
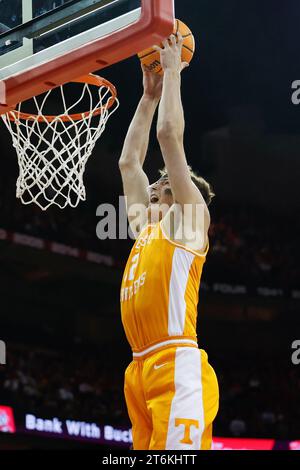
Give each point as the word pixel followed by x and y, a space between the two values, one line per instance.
pixel 53 150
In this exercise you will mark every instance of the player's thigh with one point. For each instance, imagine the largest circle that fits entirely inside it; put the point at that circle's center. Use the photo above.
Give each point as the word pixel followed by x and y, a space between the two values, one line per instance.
pixel 158 378
pixel 183 399
pixel 136 406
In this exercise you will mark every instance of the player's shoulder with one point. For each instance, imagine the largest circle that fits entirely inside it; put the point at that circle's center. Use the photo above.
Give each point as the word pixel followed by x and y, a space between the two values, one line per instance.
pixel 186 236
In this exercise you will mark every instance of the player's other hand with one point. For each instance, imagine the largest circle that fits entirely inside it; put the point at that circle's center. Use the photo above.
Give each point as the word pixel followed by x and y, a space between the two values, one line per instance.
pixel 153 84
pixel 170 54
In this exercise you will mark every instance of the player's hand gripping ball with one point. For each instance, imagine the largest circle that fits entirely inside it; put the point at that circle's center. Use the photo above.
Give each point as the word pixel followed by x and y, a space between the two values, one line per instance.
pixel 150 58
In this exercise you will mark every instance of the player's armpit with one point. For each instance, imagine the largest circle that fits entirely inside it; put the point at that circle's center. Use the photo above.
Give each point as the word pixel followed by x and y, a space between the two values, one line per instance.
pixel 187 226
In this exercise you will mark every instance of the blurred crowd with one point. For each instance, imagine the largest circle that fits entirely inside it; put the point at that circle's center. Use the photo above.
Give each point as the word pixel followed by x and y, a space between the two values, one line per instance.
pixel 256 401
pixel 11 12
pixel 42 6
pixel 250 246
pixel 258 398
pixel 75 386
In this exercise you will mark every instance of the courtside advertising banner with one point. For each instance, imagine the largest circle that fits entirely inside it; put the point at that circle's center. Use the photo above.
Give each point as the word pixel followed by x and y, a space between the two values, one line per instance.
pixel 116 437
pixel 7 421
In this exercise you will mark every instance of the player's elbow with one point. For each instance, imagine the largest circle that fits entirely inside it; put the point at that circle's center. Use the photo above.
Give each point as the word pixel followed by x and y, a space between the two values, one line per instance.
pixel 123 163
pixel 169 131
pixel 127 164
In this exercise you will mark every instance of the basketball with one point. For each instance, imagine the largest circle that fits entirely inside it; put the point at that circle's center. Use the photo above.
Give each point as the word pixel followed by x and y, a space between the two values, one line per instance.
pixel 151 58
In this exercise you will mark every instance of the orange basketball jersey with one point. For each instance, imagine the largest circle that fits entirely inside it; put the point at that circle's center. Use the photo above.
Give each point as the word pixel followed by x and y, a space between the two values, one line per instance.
pixel 159 293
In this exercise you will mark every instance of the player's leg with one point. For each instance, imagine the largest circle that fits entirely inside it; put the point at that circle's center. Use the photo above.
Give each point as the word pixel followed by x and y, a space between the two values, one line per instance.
pixel 206 441
pixel 210 400
pixel 182 397
pixel 158 379
pixel 136 406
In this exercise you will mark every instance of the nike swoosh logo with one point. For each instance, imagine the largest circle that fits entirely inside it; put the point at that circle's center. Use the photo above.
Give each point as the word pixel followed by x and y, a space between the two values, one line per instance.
pixel 159 367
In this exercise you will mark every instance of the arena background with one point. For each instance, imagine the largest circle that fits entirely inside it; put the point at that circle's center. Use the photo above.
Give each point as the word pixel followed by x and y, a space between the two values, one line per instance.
pixel 59 284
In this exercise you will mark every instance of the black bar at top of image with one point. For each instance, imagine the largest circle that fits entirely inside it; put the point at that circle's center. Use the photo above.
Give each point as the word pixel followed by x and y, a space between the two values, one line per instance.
pixel 55 18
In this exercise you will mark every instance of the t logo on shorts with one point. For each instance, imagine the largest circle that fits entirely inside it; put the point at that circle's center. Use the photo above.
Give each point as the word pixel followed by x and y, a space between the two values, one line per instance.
pixel 187 423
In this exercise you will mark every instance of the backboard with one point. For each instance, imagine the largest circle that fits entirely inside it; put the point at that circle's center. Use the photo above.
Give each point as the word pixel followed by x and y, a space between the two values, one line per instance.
pixel 46 43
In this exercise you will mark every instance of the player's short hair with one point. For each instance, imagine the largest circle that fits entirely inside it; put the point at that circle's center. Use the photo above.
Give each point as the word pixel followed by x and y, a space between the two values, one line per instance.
pixel 204 187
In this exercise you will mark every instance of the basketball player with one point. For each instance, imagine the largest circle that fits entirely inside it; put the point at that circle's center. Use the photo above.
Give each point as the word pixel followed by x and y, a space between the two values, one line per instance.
pixel 171 390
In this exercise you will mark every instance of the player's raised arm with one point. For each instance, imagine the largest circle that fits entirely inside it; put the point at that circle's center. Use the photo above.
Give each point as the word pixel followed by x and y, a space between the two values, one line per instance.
pixel 135 148
pixel 171 124
pixel 170 129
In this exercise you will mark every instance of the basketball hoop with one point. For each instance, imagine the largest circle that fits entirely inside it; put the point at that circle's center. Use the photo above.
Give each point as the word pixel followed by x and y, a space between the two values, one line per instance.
pixel 53 150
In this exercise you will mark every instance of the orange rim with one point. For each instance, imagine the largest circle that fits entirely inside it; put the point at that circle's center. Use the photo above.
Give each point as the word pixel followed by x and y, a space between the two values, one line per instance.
pixel 88 79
